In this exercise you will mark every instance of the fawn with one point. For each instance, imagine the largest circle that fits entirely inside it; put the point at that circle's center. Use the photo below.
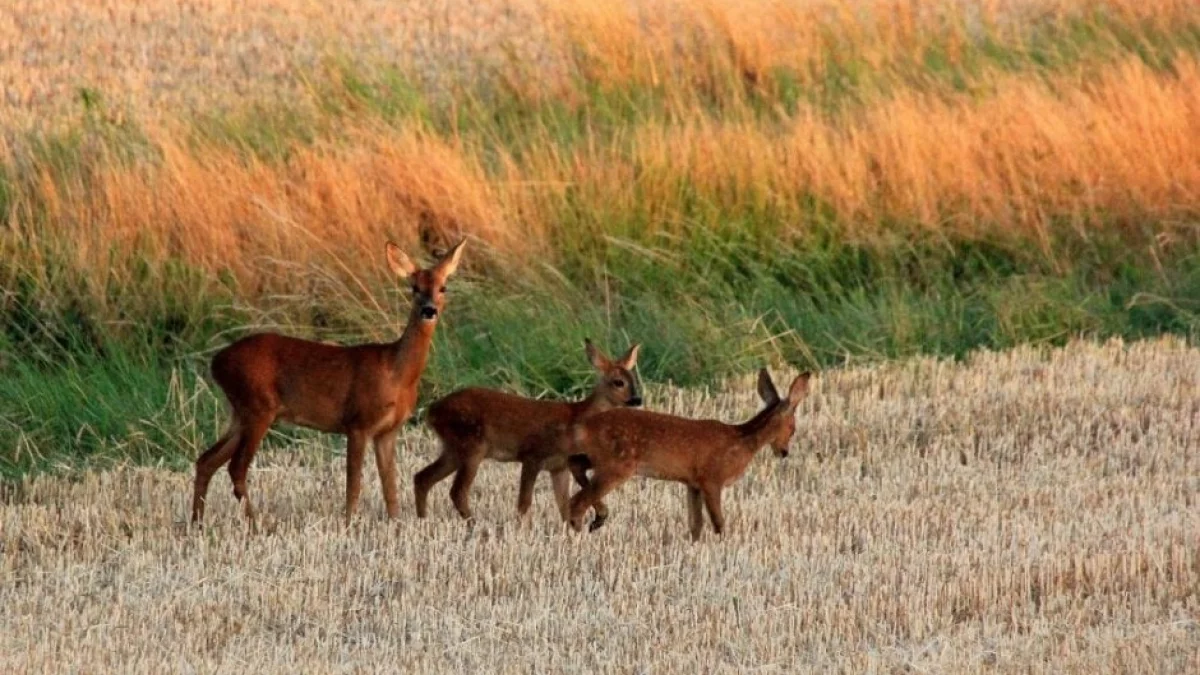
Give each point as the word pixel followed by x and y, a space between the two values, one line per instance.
pixel 705 455
pixel 363 391
pixel 476 424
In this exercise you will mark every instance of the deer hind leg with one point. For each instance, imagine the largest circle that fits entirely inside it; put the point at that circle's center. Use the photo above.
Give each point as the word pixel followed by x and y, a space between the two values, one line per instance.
pixel 252 435
pixel 385 461
pixel 431 475
pixel 208 463
pixel 604 480
pixel 460 492
pixel 695 513
pixel 561 481
pixel 356 448
pixel 579 465
pixel 712 502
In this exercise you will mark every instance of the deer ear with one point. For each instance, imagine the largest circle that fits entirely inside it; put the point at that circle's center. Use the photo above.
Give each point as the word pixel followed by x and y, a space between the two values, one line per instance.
pixel 449 264
pixel 766 388
pixel 597 357
pixel 630 359
pixel 399 263
pixel 799 389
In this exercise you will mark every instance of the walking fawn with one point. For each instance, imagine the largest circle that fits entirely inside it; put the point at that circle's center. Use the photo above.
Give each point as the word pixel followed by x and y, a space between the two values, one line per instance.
pixel 476 424
pixel 705 455
pixel 363 391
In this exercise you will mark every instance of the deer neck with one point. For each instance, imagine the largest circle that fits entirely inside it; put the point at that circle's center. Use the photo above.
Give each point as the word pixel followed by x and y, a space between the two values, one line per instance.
pixel 412 349
pixel 594 404
pixel 757 431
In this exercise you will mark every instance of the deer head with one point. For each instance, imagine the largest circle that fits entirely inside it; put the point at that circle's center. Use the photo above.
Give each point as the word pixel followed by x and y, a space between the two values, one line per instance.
pixel 428 285
pixel 781 425
pixel 616 383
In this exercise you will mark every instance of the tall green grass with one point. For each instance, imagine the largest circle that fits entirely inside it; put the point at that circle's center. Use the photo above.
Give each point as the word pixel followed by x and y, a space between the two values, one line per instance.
pixel 71 398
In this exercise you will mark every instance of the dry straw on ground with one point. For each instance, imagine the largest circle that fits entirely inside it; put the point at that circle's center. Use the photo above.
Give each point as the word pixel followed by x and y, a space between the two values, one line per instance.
pixel 1024 511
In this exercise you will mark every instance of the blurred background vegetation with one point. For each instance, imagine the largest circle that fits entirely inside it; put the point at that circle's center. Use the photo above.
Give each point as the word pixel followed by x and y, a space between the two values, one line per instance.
pixel 792 182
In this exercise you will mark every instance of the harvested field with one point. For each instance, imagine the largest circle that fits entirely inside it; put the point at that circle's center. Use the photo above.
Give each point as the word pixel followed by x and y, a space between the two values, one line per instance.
pixel 1032 510
pixel 153 56
pixel 813 182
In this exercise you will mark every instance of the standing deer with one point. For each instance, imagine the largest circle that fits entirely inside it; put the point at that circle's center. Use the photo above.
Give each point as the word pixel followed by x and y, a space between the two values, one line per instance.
pixel 476 424
pixel 705 455
pixel 363 391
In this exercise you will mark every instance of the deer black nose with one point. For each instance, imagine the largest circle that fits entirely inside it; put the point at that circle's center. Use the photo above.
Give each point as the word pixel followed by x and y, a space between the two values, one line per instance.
pixel 635 401
pixel 428 312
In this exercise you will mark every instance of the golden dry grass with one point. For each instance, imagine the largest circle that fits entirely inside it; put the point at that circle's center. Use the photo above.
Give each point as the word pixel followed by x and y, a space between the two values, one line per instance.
pixel 1109 144
pixel 1023 511
pixel 1115 152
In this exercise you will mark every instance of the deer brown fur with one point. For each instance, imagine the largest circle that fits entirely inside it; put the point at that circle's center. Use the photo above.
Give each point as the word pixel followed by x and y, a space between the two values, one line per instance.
pixel 705 455
pixel 364 391
pixel 476 424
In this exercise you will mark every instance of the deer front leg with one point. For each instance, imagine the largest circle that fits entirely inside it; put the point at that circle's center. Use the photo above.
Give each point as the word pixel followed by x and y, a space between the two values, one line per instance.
pixel 604 480
pixel 579 465
pixel 529 474
pixel 356 446
pixel 695 515
pixel 385 461
pixel 561 481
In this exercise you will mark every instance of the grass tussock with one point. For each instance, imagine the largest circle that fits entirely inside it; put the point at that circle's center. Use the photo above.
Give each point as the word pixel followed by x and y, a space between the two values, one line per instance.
pixel 1022 511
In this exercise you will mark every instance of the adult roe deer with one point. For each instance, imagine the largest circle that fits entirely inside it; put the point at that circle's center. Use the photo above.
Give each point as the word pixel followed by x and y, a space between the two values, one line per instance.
pixel 364 391
pixel 475 424
pixel 705 455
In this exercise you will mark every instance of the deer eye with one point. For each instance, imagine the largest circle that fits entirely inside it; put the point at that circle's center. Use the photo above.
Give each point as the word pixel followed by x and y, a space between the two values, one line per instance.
pixel 442 289
pixel 414 289
pixel 618 383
